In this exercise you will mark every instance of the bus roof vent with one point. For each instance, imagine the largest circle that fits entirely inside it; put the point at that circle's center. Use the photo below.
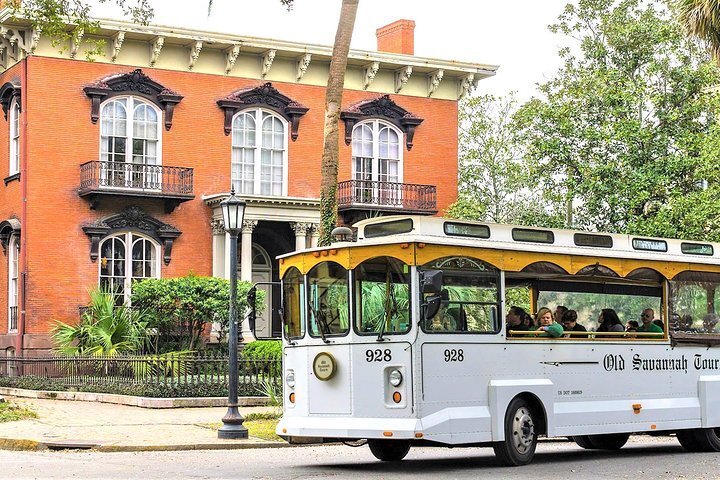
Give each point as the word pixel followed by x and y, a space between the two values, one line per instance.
pixel 342 234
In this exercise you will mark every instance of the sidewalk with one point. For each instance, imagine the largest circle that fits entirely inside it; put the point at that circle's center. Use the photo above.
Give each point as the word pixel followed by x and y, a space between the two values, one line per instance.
pixel 110 427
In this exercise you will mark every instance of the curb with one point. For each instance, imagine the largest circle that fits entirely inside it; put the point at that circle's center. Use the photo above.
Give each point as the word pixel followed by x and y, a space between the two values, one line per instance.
pixel 142 402
pixel 36 446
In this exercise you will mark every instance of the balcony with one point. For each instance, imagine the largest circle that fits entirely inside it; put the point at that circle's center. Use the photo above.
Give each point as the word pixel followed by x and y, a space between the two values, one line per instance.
pixel 173 185
pixel 358 196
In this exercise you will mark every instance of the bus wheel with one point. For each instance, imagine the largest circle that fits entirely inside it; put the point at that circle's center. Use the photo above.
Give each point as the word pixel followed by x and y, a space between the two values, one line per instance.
pixel 609 441
pixel 389 450
pixel 707 439
pixel 688 440
pixel 583 441
pixel 518 448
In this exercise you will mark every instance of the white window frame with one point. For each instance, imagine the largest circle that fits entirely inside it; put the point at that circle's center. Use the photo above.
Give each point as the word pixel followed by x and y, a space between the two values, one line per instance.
pixel 127 239
pixel 13 279
pixel 14 122
pixel 132 103
pixel 236 182
pixel 376 126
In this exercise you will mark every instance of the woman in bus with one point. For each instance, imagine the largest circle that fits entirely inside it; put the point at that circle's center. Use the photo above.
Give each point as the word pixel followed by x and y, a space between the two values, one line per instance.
pixel 548 325
pixel 609 321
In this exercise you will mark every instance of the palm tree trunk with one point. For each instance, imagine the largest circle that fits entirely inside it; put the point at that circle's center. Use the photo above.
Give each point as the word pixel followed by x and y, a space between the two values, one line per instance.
pixel 333 103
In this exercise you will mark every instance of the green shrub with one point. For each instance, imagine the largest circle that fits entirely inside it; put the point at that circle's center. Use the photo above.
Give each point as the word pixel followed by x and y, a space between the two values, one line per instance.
pixel 263 350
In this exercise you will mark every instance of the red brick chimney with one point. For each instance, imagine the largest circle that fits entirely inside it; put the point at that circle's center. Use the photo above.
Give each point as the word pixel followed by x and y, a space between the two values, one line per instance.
pixel 398 37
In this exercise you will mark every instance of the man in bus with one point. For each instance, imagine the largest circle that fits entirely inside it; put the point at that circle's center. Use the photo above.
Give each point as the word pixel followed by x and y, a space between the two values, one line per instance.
pixel 648 326
pixel 569 323
pixel 514 320
pixel 559 312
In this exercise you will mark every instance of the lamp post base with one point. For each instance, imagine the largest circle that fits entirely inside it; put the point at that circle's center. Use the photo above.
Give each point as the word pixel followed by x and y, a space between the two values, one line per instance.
pixel 233 428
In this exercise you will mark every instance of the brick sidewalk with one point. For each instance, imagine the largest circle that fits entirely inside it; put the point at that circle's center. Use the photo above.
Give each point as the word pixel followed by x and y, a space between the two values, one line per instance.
pixel 111 427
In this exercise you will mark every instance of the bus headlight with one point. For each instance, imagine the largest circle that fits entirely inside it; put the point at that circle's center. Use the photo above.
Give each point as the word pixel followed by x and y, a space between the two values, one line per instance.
pixel 290 378
pixel 395 378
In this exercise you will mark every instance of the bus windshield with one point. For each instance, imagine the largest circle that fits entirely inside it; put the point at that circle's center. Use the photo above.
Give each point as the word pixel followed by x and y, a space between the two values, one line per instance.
pixel 382 287
pixel 328 300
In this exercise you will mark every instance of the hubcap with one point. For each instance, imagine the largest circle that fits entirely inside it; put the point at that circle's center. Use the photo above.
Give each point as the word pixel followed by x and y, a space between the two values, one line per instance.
pixel 523 430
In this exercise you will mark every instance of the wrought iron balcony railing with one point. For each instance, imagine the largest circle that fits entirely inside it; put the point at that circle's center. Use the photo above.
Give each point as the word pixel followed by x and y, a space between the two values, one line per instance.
pixel 133 179
pixel 13 320
pixel 387 196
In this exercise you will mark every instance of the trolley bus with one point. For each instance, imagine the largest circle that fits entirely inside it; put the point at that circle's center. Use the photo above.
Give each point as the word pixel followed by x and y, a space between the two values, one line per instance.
pixel 400 338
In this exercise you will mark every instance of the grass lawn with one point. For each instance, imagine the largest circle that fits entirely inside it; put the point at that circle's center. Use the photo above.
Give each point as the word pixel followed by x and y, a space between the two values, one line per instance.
pixel 259 425
pixel 9 412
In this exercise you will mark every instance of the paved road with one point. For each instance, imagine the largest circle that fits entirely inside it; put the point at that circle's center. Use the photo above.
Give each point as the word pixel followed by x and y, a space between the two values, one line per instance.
pixel 642 458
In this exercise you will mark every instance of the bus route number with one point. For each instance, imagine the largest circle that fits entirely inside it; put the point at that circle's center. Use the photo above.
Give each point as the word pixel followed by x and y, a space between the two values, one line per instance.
pixel 378 355
pixel 452 355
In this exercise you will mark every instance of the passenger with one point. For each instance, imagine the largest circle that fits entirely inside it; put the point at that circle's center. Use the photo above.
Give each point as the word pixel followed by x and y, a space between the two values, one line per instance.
pixel 709 322
pixel 609 321
pixel 632 326
pixel 686 323
pixel 559 312
pixel 648 326
pixel 548 325
pixel 659 323
pixel 569 323
pixel 527 321
pixel 514 320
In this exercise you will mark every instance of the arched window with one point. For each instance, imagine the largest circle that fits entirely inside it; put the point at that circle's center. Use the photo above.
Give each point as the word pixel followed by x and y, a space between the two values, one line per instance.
pixel 259 153
pixel 130 143
pixel 13 274
pixel 118 271
pixel 377 162
pixel 14 136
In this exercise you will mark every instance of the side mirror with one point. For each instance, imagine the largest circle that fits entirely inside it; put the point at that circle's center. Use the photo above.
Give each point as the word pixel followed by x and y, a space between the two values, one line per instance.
pixel 431 281
pixel 252 315
pixel 433 304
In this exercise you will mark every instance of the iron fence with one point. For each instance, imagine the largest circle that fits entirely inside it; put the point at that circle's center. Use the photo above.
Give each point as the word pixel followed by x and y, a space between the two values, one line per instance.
pixel 176 370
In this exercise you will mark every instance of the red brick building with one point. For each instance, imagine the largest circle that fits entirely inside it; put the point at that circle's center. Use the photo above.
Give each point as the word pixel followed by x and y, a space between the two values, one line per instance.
pixel 114 169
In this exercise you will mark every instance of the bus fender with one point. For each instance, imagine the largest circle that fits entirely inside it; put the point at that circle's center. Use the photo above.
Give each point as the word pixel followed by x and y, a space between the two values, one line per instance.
pixel 501 393
pixel 709 393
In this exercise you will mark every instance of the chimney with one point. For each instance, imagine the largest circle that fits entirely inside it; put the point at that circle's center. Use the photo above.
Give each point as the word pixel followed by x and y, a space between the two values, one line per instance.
pixel 398 37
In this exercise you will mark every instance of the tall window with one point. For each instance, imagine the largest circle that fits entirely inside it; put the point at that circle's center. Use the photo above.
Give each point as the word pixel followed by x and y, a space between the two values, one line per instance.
pixel 377 162
pixel 13 269
pixel 118 271
pixel 130 143
pixel 259 153
pixel 14 136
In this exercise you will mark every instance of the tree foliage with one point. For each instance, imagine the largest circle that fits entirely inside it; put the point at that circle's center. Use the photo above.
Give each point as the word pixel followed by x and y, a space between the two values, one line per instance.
pixel 182 308
pixel 701 19
pixel 625 133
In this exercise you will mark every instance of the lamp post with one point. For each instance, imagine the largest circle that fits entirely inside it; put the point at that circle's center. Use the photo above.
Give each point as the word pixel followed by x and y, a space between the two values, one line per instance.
pixel 233 210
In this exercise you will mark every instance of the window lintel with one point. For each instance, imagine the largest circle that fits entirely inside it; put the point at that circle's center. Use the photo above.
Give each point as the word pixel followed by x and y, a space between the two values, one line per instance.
pixel 383 108
pixel 8 92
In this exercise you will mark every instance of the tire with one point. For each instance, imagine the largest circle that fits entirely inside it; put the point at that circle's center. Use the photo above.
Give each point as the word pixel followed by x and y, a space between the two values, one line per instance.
pixel 520 442
pixel 583 441
pixel 389 450
pixel 609 441
pixel 708 439
pixel 688 440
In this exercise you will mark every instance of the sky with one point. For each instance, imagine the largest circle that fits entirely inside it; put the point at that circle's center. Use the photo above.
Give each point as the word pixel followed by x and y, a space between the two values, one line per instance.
pixel 510 33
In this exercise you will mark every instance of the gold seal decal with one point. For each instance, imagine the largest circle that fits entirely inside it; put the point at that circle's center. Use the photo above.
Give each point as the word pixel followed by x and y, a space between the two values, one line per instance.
pixel 324 366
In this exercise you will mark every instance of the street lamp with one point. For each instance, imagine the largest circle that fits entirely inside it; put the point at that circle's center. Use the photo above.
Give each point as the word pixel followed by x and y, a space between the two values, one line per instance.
pixel 233 210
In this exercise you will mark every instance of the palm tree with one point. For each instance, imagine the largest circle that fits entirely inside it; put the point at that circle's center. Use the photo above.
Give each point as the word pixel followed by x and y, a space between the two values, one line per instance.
pixel 701 19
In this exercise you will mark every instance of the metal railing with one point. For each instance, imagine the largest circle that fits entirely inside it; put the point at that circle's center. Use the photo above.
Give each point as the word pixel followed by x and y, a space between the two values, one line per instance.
pixel 13 320
pixel 388 194
pixel 156 179
pixel 167 369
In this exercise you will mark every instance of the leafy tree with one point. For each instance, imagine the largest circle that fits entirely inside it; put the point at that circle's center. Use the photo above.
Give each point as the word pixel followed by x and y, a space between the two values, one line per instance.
pixel 183 307
pixel 104 329
pixel 624 133
pixel 494 179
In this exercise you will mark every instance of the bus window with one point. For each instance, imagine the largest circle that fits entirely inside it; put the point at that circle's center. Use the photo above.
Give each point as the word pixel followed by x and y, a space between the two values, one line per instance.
pixel 694 303
pixel 327 302
pixel 292 303
pixel 472 303
pixel 382 287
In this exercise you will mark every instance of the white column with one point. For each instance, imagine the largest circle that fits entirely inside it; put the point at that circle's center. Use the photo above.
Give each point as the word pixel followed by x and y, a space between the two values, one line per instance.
pixel 218 249
pixel 301 230
pixel 245 267
pixel 314 235
pixel 246 250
